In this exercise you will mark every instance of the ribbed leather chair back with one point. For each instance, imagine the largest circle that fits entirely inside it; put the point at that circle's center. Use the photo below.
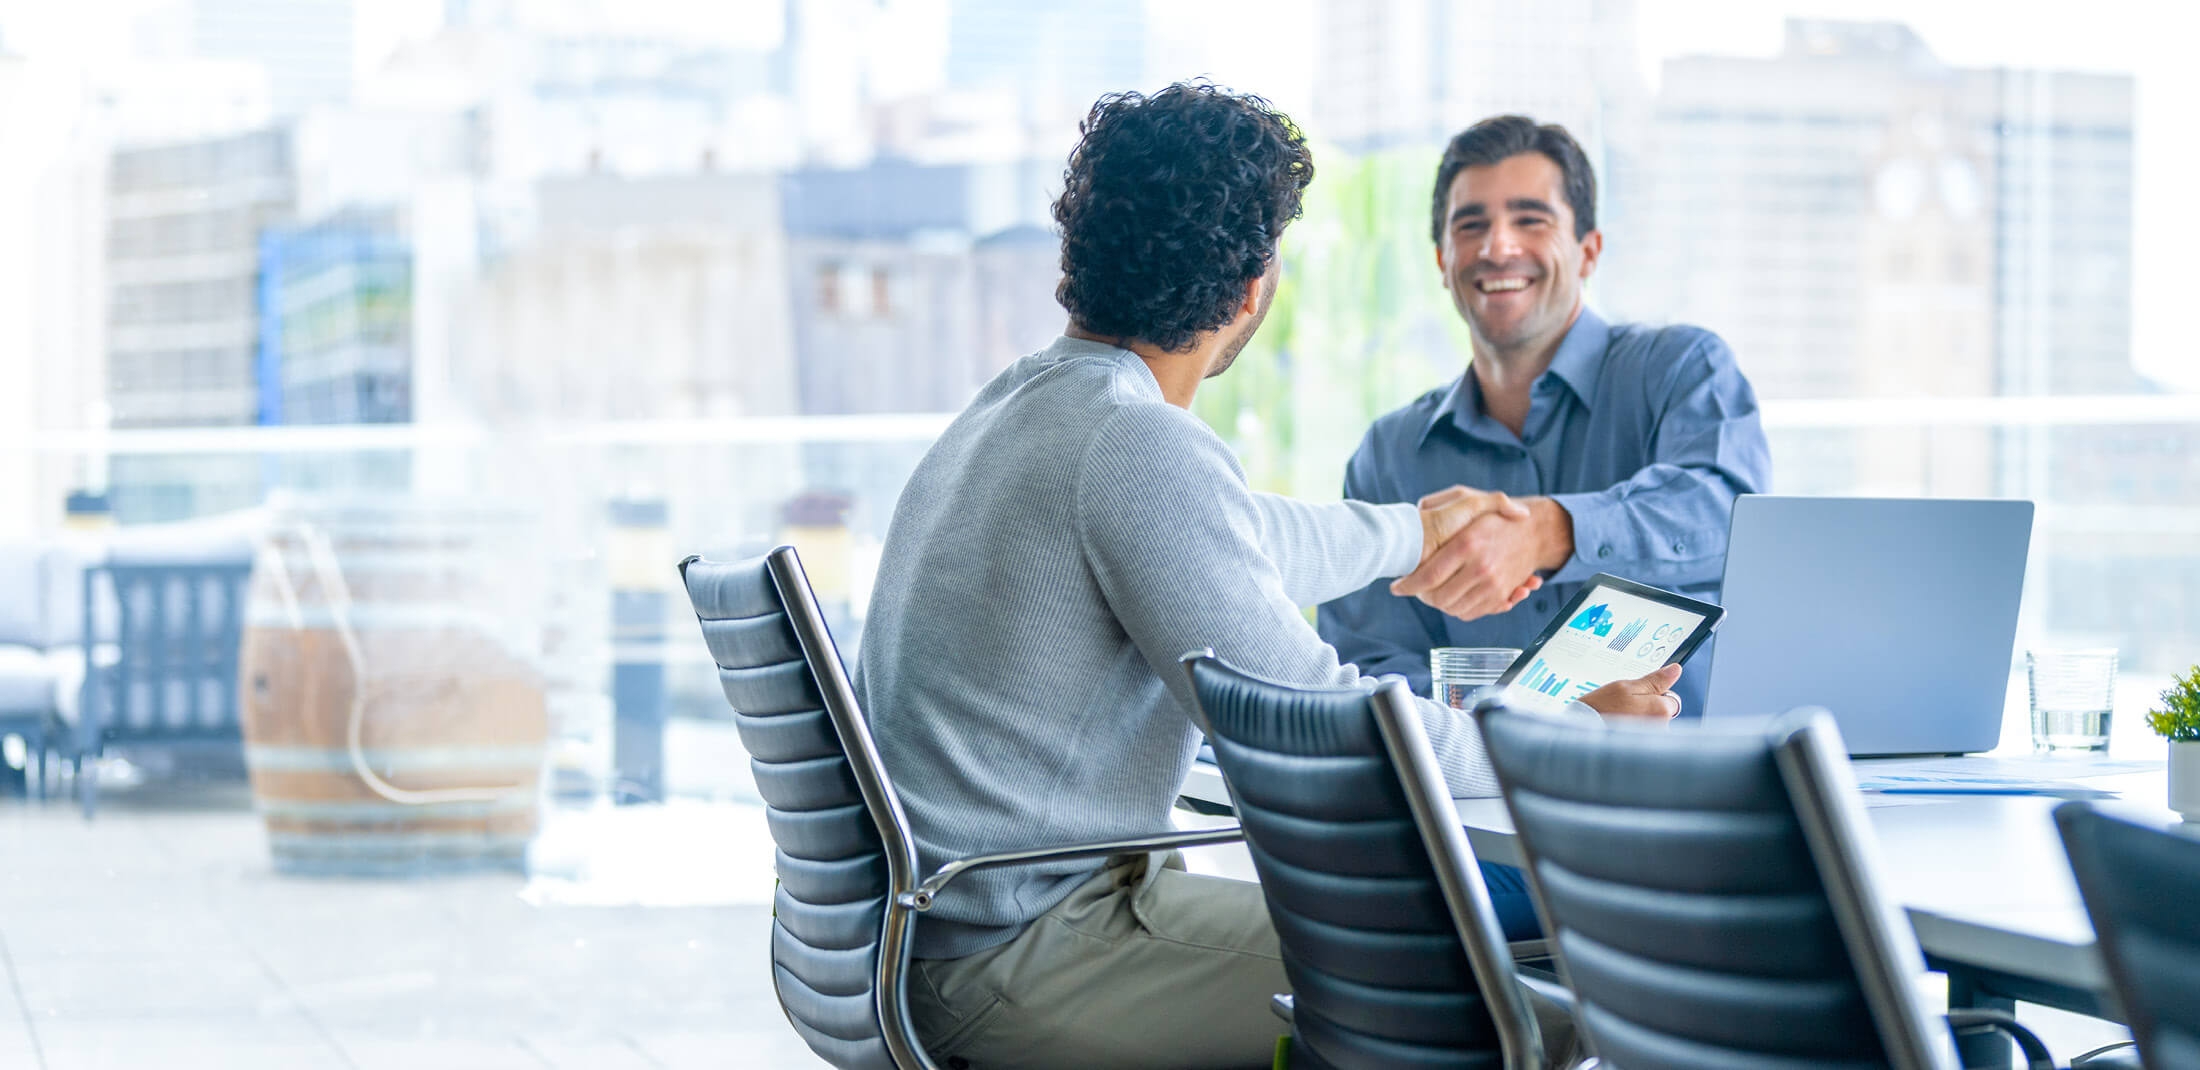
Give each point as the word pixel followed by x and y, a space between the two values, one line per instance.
pixel 1708 894
pixel 2140 885
pixel 1378 971
pixel 843 844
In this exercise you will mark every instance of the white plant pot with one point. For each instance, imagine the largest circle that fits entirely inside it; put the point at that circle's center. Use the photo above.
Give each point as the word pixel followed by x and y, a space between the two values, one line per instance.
pixel 2184 778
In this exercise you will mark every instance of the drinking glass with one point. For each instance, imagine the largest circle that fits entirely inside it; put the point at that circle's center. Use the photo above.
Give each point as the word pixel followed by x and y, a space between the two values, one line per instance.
pixel 2073 694
pixel 1456 672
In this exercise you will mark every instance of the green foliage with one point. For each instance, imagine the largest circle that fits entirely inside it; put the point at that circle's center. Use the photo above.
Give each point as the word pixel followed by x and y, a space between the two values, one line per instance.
pixel 1360 325
pixel 2179 718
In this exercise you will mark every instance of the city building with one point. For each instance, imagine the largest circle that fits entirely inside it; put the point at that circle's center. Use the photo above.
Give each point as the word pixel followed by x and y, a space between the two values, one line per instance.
pixel 182 260
pixel 1054 56
pixel 305 45
pixel 894 267
pixel 335 307
pixel 634 299
pixel 184 222
pixel 1415 72
pixel 1860 219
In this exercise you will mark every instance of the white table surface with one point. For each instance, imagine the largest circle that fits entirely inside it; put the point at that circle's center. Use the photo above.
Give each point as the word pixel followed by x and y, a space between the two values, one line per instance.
pixel 1983 877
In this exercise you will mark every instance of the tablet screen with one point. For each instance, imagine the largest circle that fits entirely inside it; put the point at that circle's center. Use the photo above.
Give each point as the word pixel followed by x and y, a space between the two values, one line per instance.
pixel 1612 630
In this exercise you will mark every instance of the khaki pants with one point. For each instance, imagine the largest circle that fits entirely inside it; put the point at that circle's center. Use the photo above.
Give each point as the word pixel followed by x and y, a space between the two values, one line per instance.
pixel 1141 966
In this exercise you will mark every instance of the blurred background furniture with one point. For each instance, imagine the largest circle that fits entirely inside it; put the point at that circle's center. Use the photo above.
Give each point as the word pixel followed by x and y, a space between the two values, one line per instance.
pixel 41 656
pixel 171 684
pixel 125 638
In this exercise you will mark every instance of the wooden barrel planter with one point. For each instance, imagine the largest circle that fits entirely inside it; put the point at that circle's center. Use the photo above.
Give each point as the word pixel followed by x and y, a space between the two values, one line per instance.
pixel 393 713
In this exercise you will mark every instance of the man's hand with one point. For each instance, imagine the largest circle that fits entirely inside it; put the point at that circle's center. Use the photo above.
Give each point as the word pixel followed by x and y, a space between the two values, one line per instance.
pixel 1490 564
pixel 1648 696
pixel 1447 512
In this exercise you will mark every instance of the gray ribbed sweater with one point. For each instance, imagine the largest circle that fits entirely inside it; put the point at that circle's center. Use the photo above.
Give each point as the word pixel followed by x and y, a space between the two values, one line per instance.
pixel 1069 536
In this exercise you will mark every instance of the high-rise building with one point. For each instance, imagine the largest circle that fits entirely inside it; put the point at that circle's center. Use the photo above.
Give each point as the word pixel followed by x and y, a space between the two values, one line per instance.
pixel 305 45
pixel 635 299
pixel 183 265
pixel 912 285
pixel 1414 72
pixel 1057 56
pixel 335 305
pixel 1860 219
pixel 183 322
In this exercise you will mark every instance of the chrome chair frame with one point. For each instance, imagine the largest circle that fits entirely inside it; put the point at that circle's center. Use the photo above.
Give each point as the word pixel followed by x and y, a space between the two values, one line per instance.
pixel 1459 874
pixel 906 895
pixel 1466 897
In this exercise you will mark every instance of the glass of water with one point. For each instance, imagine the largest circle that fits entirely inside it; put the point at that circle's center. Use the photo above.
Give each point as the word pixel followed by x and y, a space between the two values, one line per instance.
pixel 2073 694
pixel 1456 672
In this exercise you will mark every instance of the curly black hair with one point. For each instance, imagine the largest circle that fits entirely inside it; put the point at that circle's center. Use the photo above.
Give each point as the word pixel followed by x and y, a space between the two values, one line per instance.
pixel 1171 204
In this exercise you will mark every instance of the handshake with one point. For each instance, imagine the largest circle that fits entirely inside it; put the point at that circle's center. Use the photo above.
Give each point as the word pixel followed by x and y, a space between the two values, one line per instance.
pixel 1480 552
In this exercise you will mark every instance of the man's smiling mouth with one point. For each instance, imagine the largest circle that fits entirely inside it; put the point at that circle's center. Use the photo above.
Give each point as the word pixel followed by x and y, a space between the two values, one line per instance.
pixel 1504 284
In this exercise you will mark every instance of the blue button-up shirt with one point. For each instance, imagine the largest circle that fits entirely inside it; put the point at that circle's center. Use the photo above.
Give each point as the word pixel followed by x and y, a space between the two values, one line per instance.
pixel 1644 434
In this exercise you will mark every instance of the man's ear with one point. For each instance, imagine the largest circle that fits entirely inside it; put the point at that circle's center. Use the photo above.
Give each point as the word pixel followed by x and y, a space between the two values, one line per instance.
pixel 1592 247
pixel 1249 305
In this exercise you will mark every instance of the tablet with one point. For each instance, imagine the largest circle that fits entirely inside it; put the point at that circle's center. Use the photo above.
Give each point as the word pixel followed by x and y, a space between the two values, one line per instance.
pixel 1614 629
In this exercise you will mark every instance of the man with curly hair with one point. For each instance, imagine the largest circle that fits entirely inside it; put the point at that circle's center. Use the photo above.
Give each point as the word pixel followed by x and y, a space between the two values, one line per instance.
pixel 1625 443
pixel 1070 535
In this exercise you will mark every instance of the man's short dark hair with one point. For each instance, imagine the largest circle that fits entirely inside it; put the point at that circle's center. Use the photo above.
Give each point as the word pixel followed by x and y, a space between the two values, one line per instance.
pixel 1171 204
pixel 1503 137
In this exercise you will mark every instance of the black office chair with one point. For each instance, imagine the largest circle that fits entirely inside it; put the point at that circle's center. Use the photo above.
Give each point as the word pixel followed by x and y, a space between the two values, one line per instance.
pixel 1709 893
pixel 2139 886
pixel 847 864
pixel 1395 955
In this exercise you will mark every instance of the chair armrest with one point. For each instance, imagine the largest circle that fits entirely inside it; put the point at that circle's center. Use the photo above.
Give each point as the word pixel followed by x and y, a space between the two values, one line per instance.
pixel 921 898
pixel 1547 986
pixel 1979 1021
pixel 2122 1055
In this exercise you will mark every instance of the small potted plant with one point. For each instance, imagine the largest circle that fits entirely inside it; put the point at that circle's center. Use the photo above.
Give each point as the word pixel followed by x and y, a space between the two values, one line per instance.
pixel 2179 722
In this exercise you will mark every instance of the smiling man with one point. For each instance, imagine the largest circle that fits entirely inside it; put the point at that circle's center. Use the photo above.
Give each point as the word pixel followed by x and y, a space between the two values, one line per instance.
pixel 1626 443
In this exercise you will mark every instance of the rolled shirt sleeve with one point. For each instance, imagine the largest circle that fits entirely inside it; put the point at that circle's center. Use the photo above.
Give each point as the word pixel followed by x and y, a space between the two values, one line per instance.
pixel 1667 524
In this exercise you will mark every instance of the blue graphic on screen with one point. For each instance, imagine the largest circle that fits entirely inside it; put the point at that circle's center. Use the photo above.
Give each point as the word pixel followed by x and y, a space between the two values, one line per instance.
pixel 1541 678
pixel 1596 619
pixel 1627 635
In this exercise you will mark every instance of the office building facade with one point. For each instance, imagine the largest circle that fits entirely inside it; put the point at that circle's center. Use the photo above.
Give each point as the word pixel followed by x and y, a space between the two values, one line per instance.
pixel 306 46
pixel 183 322
pixel 1414 72
pixel 335 306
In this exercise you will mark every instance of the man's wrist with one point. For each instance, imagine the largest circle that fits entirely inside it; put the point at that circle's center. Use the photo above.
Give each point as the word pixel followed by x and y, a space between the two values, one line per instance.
pixel 1554 533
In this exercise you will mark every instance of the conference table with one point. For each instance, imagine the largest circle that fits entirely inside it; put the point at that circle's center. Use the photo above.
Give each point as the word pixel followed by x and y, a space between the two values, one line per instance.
pixel 1983 877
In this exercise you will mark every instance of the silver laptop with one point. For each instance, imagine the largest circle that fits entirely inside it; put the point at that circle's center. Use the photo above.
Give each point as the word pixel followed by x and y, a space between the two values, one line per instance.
pixel 1897 614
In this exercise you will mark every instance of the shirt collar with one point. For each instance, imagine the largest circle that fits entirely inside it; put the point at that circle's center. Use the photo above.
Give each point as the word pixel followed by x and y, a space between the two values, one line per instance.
pixel 1578 362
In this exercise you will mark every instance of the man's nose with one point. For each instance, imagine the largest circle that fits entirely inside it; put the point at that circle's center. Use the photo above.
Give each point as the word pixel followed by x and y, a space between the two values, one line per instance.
pixel 1499 242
